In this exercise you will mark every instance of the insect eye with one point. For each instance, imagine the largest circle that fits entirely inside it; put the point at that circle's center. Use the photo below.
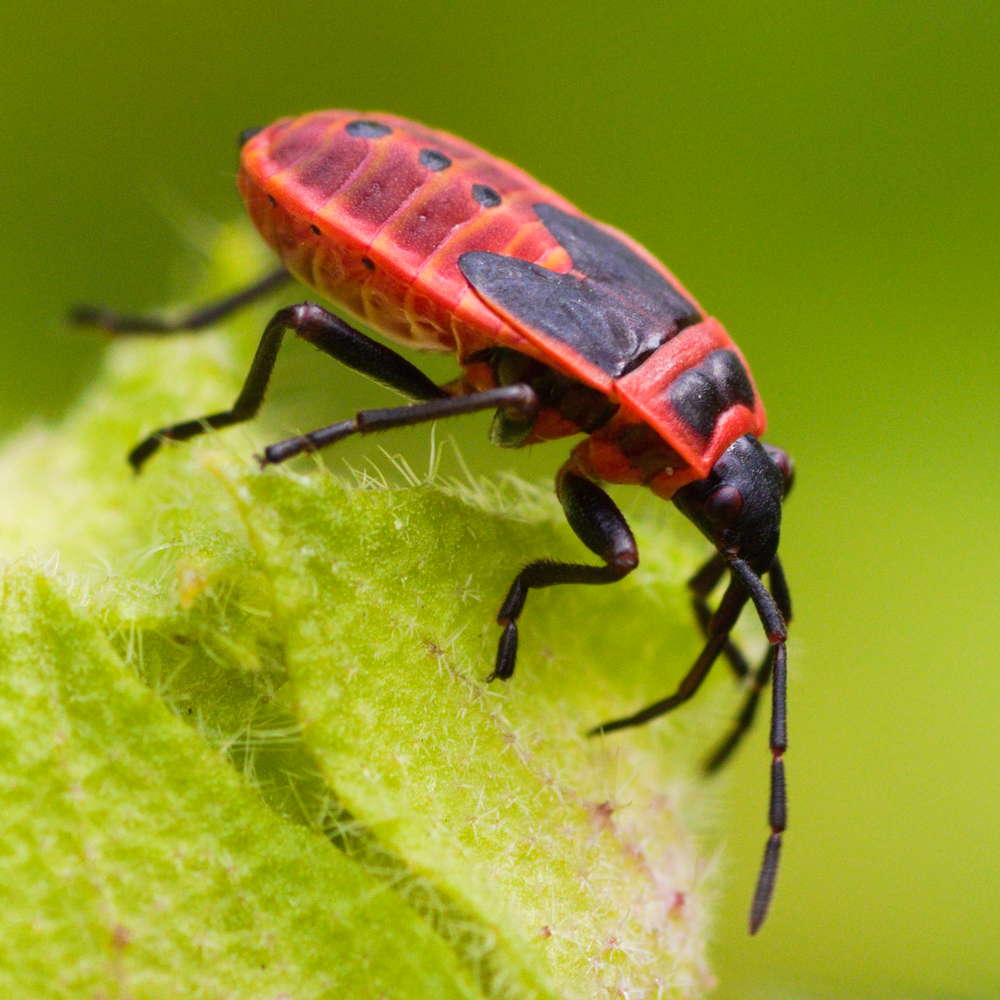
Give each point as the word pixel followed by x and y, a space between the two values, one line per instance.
pixel 724 505
pixel 784 463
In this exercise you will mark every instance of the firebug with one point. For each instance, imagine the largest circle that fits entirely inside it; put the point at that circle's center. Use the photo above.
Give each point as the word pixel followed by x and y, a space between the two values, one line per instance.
pixel 562 325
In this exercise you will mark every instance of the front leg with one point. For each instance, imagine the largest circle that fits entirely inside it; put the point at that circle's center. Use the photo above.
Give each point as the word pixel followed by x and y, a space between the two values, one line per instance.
pixel 600 525
pixel 701 585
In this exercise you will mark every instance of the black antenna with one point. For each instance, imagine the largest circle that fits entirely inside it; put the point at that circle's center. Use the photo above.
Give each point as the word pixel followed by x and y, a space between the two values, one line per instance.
pixel 774 624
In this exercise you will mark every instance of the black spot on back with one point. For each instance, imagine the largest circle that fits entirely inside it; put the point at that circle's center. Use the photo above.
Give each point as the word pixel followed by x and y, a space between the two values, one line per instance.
pixel 433 160
pixel 486 196
pixel 702 394
pixel 367 130
pixel 368 262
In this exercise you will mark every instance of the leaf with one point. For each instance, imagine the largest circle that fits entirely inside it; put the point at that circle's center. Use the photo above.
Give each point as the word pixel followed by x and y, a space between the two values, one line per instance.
pixel 246 744
pixel 138 863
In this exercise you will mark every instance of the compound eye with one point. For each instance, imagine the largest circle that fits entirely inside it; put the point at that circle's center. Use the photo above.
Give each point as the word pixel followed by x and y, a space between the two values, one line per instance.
pixel 724 505
pixel 784 463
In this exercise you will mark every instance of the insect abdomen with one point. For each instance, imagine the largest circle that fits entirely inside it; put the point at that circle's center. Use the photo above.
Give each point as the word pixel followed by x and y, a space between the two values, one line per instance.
pixel 373 212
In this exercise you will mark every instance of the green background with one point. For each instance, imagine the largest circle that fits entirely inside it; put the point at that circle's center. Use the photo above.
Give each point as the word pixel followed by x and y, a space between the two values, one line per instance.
pixel 824 177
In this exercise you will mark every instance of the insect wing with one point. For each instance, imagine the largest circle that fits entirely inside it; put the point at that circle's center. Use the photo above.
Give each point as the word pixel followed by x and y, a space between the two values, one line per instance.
pixel 598 320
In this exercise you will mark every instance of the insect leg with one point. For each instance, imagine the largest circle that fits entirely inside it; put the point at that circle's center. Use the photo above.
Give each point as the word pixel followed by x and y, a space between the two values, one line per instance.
pixel 520 397
pixel 701 585
pixel 600 525
pixel 758 681
pixel 744 719
pixel 323 330
pixel 116 323
pixel 719 627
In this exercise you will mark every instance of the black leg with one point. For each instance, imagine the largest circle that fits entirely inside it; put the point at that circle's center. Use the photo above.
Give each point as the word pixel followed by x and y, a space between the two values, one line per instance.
pixel 744 720
pixel 772 610
pixel 600 525
pixel 323 330
pixel 519 397
pixel 120 323
pixel 719 627
pixel 701 585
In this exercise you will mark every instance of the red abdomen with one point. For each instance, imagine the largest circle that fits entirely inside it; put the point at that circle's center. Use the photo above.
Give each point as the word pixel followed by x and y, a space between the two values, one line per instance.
pixel 439 245
pixel 373 212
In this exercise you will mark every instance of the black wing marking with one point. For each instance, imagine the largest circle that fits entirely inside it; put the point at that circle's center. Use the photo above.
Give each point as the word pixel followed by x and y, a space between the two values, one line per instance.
pixel 585 316
pixel 605 259
pixel 615 316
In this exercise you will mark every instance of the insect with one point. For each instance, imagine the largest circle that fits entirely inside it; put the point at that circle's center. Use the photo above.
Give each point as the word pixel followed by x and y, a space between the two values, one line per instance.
pixel 560 324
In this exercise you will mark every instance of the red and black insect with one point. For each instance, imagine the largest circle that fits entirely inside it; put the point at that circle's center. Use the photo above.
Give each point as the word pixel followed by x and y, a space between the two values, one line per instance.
pixel 562 325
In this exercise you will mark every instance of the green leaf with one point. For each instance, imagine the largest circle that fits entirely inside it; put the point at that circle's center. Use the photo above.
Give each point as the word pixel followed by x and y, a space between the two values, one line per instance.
pixel 246 744
pixel 138 863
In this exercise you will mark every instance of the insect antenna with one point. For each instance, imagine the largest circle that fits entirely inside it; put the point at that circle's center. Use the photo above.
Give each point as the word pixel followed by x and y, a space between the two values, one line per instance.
pixel 774 624
pixel 758 678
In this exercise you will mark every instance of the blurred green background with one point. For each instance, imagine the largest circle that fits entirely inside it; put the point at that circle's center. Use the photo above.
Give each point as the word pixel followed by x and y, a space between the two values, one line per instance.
pixel 824 177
